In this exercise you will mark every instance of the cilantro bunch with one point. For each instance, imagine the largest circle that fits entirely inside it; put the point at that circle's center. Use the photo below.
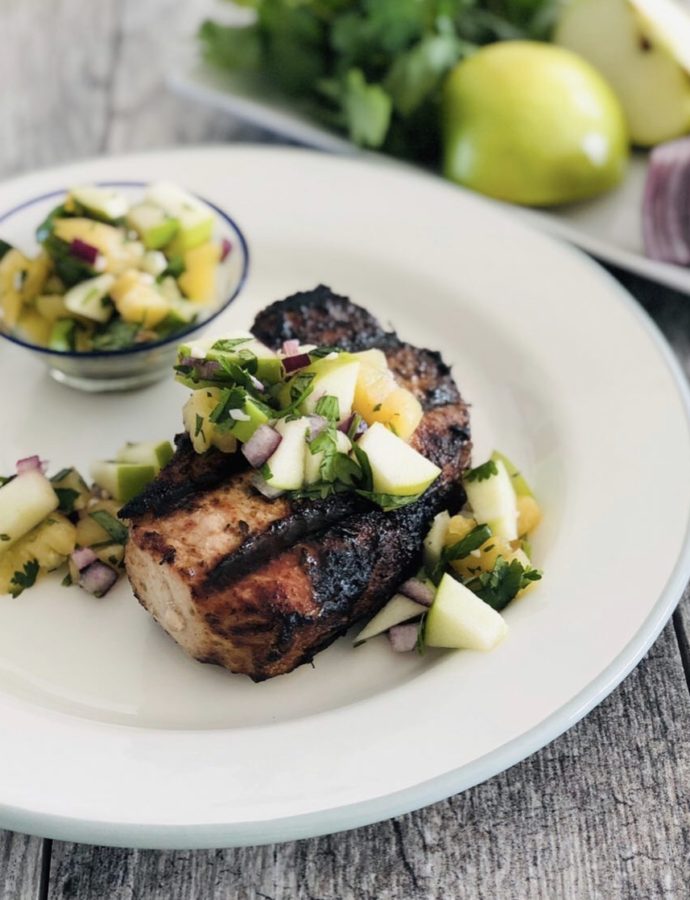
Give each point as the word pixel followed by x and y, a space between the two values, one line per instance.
pixel 372 69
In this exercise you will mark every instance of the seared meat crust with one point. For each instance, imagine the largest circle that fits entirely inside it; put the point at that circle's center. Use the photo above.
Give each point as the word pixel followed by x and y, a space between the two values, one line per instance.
pixel 260 586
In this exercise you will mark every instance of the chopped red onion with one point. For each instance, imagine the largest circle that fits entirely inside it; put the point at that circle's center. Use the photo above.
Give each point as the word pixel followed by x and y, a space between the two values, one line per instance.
pixel 204 368
pixel 83 557
pixel 261 445
pixel 665 218
pixel 418 591
pixel 97 579
pixel 225 249
pixel 403 638
pixel 30 464
pixel 263 487
pixel 291 348
pixel 81 250
pixel 292 363
pixel 316 426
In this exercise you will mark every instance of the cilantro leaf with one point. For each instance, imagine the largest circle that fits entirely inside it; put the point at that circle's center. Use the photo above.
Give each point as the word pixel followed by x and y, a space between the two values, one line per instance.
pixel 473 540
pixel 67 498
pixel 389 502
pixel 329 408
pixel 482 473
pixel 499 586
pixel 5 537
pixel 24 579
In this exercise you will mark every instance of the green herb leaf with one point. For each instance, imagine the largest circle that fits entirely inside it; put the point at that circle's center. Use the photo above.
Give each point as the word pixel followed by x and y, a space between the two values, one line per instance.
pixel 473 540
pixel 199 425
pixel 329 408
pixel 67 580
pixel 117 531
pixel 5 537
pixel 67 498
pixel 389 502
pixel 499 586
pixel 24 579
pixel 61 475
pixel 482 473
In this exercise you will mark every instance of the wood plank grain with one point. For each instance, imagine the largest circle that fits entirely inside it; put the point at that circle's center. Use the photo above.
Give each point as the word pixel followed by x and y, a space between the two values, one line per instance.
pixel 20 866
pixel 600 813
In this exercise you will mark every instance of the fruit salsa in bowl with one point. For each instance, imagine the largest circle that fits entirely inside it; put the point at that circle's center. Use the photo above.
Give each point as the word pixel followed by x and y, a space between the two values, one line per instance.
pixel 102 281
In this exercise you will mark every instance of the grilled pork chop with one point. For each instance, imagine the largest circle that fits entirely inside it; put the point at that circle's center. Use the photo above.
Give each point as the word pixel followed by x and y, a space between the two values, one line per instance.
pixel 260 586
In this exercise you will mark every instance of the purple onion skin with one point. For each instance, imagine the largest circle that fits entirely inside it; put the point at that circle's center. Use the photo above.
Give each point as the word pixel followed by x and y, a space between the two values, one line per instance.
pixel 97 579
pixel 403 638
pixel 261 445
pixel 30 464
pixel 83 557
pixel 292 363
pixel 418 591
pixel 225 249
pixel 81 250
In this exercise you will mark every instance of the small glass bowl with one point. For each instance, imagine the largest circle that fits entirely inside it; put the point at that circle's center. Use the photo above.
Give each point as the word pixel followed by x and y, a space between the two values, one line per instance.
pixel 133 367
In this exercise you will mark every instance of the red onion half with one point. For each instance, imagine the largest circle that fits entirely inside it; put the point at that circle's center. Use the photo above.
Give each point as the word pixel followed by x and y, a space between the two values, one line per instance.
pixel 666 204
pixel 261 445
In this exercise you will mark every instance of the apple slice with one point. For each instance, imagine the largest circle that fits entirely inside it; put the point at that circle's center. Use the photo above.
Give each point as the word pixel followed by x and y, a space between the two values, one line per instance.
pixel 153 225
pixel 24 502
pixel 435 540
pixel 285 468
pixel 642 47
pixel 122 480
pixel 396 468
pixel 88 298
pixel 146 453
pixel 458 619
pixel 398 609
pixel 491 495
pixel 195 218
pixel 333 378
pixel 100 202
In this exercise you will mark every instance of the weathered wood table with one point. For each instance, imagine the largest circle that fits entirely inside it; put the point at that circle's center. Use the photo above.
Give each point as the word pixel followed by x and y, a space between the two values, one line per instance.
pixel 603 812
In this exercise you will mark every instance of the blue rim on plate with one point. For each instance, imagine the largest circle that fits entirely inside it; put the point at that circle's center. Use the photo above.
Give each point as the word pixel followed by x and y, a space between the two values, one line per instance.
pixel 148 345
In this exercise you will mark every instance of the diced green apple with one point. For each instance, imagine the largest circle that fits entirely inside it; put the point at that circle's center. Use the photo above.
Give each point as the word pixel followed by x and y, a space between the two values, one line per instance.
pixel 256 413
pixel 333 378
pixel 519 482
pixel 153 225
pixel 493 501
pixel 396 467
pixel 101 202
pixel 88 298
pixel 24 502
pixel 286 465
pixel 62 335
pixel 312 461
pixel 146 453
pixel 196 220
pixel 435 539
pixel 269 367
pixel 398 609
pixel 122 480
pixel 458 619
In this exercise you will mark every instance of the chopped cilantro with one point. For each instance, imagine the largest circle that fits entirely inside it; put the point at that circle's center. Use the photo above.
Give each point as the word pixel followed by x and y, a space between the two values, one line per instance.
pixel 24 579
pixel 67 498
pixel 5 480
pixel 378 407
pixel 499 586
pixel 199 426
pixel 117 531
pixel 67 580
pixel 462 548
pixel 389 502
pixel 483 472
pixel 229 345
pixel 265 472
pixel 329 408
pixel 5 537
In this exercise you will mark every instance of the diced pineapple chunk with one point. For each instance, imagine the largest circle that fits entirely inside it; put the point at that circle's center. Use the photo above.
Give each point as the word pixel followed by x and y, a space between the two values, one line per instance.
pixel 14 268
pixel 458 528
pixel 52 306
pixel 89 531
pixel 483 559
pixel 529 514
pixel 374 357
pixel 202 432
pixel 400 411
pixel 373 386
pixel 33 328
pixel 36 276
pixel 198 281
pixel 48 544
pixel 137 299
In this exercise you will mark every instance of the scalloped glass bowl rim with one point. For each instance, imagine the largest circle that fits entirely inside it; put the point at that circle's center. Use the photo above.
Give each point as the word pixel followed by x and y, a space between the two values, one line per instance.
pixel 149 345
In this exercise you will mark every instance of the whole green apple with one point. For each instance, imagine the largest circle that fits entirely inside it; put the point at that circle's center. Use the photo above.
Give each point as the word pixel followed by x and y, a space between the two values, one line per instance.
pixel 532 123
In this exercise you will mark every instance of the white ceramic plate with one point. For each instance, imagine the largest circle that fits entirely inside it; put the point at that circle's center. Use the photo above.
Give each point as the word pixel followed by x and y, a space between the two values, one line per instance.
pixel 111 735
pixel 609 227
